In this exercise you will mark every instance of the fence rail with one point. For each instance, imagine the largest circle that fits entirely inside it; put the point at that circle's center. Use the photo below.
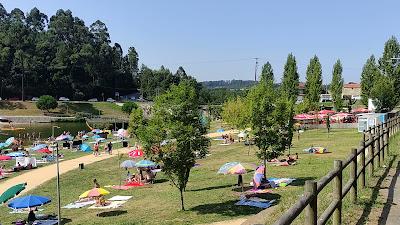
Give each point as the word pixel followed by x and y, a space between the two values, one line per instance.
pixel 375 145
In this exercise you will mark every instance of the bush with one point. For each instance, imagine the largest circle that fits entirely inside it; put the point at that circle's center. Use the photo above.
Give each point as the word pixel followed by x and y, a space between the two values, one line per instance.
pixel 127 107
pixel 46 102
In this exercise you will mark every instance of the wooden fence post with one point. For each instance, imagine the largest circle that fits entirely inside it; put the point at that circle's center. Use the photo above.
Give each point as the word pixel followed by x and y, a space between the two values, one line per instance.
pixel 311 209
pixel 382 144
pixel 377 149
pixel 371 154
pixel 362 144
pixel 353 176
pixel 386 139
pixel 337 193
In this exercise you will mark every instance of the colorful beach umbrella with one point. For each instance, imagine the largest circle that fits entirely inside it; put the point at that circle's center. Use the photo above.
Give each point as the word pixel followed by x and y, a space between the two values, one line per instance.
pixel 95 192
pixel 39 147
pixel 5 157
pixel 327 112
pixel 136 153
pixel 128 164
pixel 304 116
pixel 235 168
pixel 16 154
pixel 64 137
pixel 28 202
pixel 44 150
pixel 122 133
pixel 145 163
pixel 12 192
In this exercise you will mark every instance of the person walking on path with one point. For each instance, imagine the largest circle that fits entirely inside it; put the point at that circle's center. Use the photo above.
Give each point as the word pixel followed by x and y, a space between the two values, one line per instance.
pixel 96 149
pixel 109 146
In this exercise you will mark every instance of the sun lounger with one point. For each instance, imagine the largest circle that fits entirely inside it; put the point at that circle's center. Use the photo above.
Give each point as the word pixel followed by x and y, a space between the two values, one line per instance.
pixel 120 198
pixel 112 205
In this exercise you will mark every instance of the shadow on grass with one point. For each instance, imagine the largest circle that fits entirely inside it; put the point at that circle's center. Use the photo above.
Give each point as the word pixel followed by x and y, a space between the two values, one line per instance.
pixel 11 105
pixel 112 213
pixel 300 181
pixel 388 205
pixel 159 181
pixel 229 208
pixel 212 188
pixel 375 193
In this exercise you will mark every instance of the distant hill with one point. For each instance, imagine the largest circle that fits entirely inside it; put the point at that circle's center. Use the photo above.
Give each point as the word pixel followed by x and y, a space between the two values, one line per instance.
pixel 228 84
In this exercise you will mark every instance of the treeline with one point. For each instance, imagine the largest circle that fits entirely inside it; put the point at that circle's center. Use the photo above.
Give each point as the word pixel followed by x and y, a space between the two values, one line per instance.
pixel 229 84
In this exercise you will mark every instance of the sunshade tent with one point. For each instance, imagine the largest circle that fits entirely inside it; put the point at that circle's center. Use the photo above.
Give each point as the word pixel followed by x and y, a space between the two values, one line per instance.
pixel 145 163
pixel 5 157
pixel 64 138
pixel 85 148
pixel 122 133
pixel 12 192
pixel 128 164
pixel 28 202
pixel 327 112
pixel 304 116
pixel 95 192
pixel 39 147
pixel 9 141
pixel 340 116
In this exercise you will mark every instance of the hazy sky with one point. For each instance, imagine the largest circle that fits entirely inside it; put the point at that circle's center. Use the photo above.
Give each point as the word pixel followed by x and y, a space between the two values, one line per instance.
pixel 217 39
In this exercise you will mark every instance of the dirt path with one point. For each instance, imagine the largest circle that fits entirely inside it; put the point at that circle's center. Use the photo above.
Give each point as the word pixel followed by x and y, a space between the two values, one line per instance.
pixel 39 176
pixel 219 134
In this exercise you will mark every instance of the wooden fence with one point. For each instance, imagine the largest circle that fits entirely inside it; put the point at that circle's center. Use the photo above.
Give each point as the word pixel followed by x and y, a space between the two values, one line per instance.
pixel 375 145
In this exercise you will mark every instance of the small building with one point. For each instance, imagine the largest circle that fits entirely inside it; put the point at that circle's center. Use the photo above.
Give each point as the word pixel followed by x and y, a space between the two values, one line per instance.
pixel 301 92
pixel 368 120
pixel 352 90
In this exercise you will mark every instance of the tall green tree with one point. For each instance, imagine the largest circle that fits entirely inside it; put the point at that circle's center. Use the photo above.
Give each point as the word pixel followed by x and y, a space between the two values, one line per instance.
pixel 388 62
pixel 267 73
pixel 290 80
pixel 313 80
pixel 236 112
pixel 176 117
pixel 384 94
pixel 368 76
pixel 336 86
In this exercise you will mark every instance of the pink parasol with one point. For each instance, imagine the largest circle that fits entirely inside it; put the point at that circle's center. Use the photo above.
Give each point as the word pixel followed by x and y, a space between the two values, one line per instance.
pixel 326 112
pixel 136 153
pixel 304 116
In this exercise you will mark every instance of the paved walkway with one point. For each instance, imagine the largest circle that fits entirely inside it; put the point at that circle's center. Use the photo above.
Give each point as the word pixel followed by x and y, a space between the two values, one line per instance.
pixel 391 211
pixel 40 175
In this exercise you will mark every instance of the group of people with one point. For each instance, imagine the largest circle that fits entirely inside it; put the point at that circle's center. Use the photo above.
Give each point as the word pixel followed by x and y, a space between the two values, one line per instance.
pixel 145 175
pixel 228 139
pixel 289 160
pixel 107 148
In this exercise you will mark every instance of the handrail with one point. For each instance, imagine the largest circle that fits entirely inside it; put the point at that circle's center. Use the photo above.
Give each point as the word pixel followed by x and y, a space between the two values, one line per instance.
pixel 377 147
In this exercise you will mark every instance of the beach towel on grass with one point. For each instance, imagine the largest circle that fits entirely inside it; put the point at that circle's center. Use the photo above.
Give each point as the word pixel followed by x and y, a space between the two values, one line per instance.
pixel 112 205
pixel 255 203
pixel 120 198
pixel 78 205
pixel 118 187
pixel 281 182
pixel 258 191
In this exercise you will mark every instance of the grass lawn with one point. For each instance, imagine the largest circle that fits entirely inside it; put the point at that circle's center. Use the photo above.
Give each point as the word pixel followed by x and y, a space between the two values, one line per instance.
pixel 209 197
pixel 18 108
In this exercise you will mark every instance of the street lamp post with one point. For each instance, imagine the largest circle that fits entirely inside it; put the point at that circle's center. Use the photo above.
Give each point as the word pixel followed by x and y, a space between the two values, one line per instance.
pixel 58 178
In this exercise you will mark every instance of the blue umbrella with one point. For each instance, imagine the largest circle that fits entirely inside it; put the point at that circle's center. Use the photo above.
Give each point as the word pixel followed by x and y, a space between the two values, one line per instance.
pixel 220 130
pixel 16 154
pixel 145 163
pixel 28 202
pixel 85 148
pixel 96 131
pixel 128 164
pixel 85 136
pixel 38 147
pixel 9 141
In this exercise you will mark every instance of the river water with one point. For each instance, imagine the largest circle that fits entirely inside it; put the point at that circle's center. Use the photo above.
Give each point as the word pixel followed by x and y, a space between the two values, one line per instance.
pixel 42 130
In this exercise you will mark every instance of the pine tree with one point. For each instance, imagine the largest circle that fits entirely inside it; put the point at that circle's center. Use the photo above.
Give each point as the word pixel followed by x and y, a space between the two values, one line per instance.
pixel 368 76
pixel 336 86
pixel 267 73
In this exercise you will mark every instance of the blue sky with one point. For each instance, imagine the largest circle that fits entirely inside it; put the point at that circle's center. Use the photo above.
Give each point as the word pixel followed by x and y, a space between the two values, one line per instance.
pixel 216 40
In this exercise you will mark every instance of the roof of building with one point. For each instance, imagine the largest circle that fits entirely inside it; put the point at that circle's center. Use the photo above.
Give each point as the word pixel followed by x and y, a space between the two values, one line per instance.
pixel 302 85
pixel 352 85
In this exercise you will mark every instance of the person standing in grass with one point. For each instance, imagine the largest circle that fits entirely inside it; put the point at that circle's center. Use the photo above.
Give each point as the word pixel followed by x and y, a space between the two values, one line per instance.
pixel 96 149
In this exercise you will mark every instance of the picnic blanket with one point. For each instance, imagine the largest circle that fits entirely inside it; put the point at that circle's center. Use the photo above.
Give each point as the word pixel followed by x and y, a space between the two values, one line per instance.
pixel 120 198
pixel 23 211
pixel 78 205
pixel 255 202
pixel 112 205
pixel 258 191
pixel 45 222
pixel 281 182
pixel 133 184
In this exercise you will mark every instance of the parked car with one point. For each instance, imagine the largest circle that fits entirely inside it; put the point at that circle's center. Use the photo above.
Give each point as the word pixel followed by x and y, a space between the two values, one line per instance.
pixel 63 99
pixel 35 99
pixel 93 100
pixel 110 100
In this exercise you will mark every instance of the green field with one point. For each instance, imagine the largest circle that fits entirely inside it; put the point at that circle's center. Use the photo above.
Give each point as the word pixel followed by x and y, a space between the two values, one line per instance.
pixel 209 197
pixel 18 108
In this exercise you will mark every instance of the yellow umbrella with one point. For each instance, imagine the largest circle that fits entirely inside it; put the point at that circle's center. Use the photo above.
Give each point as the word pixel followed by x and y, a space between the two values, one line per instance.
pixel 95 192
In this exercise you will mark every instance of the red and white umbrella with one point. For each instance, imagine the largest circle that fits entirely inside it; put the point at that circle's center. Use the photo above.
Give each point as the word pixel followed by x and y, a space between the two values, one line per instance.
pixel 326 112
pixel 136 153
pixel 360 110
pixel 342 115
pixel 304 116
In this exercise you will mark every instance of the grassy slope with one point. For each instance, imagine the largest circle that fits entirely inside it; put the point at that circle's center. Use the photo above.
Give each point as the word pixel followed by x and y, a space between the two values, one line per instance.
pixel 209 197
pixel 70 108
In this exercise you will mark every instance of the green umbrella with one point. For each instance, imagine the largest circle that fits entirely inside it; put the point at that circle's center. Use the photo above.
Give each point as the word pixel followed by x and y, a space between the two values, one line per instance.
pixel 12 192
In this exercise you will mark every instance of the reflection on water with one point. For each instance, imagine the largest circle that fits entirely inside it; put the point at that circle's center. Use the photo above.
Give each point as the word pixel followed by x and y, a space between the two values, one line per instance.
pixel 42 130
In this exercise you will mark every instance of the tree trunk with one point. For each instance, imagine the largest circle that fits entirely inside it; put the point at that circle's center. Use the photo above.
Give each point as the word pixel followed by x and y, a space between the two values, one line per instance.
pixel 182 205
pixel 265 167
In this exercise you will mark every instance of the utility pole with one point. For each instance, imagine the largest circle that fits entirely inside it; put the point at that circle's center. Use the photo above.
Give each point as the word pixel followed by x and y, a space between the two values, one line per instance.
pixel 255 69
